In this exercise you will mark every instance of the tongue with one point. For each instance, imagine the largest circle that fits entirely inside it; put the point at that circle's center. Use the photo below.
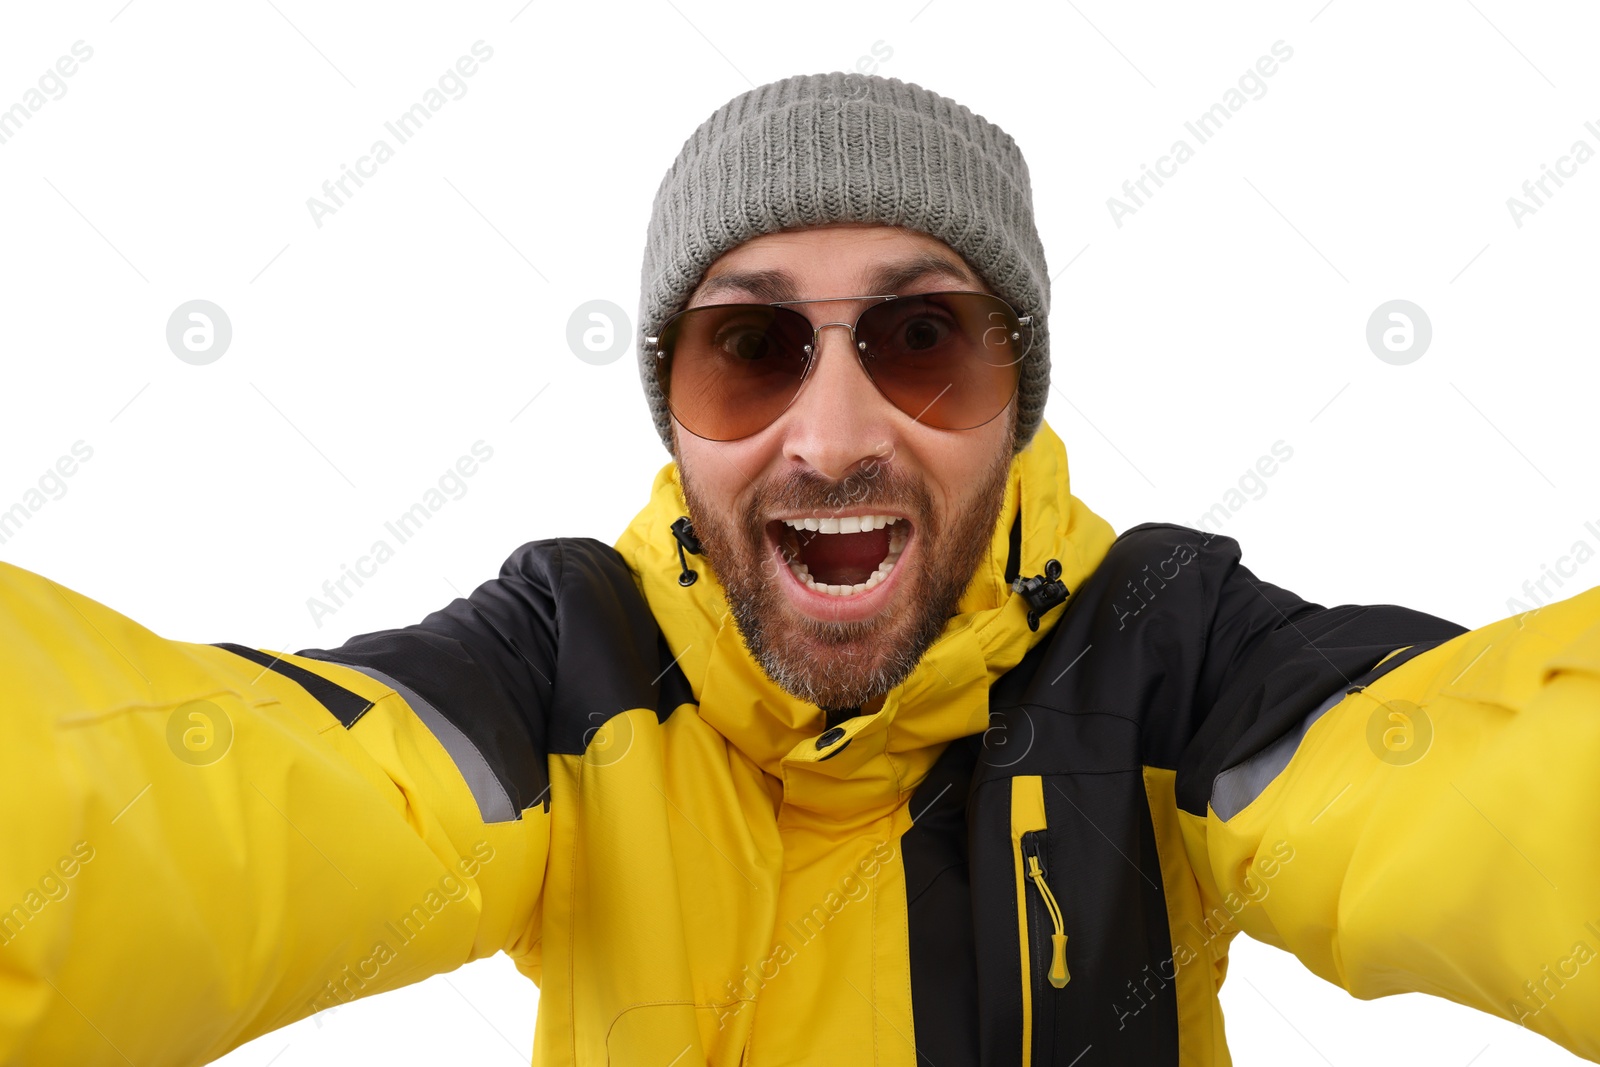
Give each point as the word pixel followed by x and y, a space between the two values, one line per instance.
pixel 843 559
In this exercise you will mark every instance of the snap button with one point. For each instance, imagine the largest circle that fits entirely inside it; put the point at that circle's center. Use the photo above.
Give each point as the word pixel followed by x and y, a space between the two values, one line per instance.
pixel 829 737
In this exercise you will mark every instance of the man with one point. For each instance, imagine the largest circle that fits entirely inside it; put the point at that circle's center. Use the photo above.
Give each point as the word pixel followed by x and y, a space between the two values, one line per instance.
pixel 867 743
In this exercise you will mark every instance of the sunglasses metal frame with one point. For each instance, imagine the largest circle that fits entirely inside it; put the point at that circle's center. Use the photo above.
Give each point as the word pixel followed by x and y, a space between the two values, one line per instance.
pixel 816 331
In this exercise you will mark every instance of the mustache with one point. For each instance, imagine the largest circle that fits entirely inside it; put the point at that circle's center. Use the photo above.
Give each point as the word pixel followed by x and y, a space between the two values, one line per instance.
pixel 811 493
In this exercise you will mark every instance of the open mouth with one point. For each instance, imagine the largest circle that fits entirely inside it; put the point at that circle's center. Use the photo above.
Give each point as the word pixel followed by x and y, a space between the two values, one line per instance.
pixel 841 555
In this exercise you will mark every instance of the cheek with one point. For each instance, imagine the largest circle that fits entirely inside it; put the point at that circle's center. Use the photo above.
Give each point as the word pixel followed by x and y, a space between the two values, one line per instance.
pixel 703 477
pixel 957 465
pixel 719 480
pixel 722 471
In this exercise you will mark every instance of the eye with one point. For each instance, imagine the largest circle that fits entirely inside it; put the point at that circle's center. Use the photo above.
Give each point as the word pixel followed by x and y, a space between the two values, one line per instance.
pixel 922 332
pixel 744 343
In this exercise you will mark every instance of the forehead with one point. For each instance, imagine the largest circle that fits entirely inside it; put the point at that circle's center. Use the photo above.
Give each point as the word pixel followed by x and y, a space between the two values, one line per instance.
pixel 833 260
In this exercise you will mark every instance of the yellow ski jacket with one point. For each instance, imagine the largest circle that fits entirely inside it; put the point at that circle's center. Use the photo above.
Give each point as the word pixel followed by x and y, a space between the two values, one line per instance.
pixel 1035 851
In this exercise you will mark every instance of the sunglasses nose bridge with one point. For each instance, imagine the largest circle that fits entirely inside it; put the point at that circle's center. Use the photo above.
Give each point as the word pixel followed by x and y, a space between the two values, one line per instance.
pixel 816 332
pixel 816 342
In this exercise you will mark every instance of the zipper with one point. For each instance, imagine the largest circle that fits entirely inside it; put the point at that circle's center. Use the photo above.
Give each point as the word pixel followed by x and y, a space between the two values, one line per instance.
pixel 1041 929
pixel 1033 855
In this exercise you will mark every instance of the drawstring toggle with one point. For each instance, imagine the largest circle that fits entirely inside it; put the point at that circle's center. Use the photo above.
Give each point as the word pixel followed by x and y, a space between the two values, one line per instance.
pixel 1042 591
pixel 683 533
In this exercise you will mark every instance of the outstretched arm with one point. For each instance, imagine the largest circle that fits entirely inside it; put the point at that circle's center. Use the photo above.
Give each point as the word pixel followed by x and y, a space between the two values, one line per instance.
pixel 1440 805
pixel 206 842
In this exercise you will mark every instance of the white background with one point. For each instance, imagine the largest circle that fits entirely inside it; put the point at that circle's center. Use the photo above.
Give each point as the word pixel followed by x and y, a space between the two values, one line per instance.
pixel 430 311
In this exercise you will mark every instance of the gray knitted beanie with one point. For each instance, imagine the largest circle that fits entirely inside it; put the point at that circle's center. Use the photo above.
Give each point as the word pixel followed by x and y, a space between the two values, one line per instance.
pixel 821 148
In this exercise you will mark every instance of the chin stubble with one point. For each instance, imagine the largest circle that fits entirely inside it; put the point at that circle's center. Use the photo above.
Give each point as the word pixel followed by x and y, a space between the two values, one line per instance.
pixel 843 665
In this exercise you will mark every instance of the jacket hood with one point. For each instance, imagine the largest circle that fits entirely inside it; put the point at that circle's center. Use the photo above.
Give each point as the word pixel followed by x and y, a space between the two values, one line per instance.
pixel 885 754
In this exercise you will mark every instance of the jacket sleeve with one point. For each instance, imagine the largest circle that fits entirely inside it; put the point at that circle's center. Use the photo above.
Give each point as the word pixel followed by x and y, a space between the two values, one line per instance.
pixel 205 842
pixel 1403 804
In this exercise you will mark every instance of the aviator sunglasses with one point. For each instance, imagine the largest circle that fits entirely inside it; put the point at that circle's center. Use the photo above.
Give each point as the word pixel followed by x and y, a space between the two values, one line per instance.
pixel 950 360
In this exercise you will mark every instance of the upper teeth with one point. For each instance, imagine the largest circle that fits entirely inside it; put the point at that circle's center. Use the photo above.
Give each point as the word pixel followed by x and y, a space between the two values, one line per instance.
pixel 897 545
pixel 845 524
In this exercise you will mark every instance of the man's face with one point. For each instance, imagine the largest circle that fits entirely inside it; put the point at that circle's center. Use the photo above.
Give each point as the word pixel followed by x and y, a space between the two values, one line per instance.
pixel 841 452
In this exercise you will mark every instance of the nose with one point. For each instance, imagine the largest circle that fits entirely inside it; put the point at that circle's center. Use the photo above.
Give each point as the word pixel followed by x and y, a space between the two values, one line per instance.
pixel 840 420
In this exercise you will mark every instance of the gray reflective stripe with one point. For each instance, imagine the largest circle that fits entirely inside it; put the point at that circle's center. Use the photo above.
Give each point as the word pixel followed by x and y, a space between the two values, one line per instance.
pixel 494 804
pixel 1235 788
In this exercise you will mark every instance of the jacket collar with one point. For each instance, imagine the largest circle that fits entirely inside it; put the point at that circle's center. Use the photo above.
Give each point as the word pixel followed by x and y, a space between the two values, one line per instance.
pixel 946 697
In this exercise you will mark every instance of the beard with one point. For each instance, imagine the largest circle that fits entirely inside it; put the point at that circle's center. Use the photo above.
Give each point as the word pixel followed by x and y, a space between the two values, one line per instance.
pixel 842 665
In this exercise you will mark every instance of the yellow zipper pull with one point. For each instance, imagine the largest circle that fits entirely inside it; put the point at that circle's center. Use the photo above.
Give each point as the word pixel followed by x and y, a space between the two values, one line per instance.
pixel 1058 940
pixel 1058 961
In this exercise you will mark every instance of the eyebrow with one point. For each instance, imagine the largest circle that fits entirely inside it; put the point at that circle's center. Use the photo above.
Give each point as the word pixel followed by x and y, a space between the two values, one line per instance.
pixel 775 285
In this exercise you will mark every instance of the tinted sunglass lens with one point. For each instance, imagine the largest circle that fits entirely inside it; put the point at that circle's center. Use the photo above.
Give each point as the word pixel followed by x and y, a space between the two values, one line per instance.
pixel 731 369
pixel 949 360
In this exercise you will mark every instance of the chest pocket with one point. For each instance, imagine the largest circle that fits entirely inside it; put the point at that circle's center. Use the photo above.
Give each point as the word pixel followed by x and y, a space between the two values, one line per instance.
pixel 1037 923
pixel 1075 956
pixel 1041 934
